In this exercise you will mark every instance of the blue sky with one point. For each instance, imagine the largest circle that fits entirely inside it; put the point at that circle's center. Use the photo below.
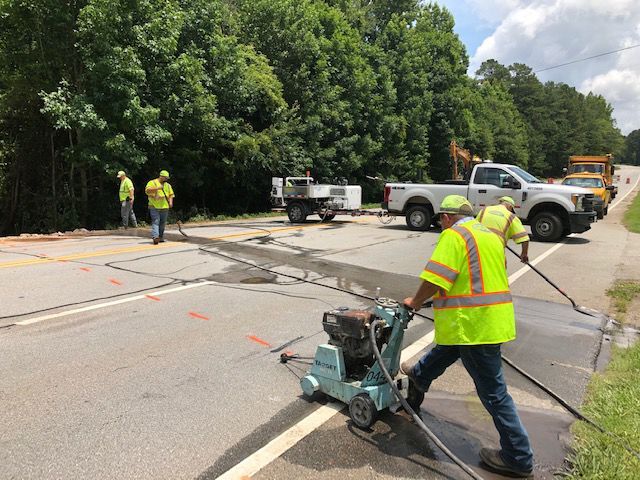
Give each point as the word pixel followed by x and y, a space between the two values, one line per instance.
pixel 544 33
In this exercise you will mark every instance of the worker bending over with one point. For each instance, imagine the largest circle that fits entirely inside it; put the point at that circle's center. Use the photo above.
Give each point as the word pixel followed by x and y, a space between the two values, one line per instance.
pixel 473 316
pixel 502 220
pixel 161 197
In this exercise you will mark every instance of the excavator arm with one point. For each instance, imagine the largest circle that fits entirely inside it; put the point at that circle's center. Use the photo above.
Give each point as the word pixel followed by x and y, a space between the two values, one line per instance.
pixel 460 154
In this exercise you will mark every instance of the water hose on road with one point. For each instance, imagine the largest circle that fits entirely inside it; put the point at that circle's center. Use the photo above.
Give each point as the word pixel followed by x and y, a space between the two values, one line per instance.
pixel 416 418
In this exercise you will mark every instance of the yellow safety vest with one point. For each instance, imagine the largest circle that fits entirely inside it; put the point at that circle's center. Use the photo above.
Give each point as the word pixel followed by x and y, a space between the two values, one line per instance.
pixel 473 305
pixel 159 199
pixel 503 223
pixel 125 188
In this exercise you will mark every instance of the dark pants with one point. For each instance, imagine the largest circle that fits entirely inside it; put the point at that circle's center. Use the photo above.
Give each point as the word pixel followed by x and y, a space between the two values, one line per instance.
pixel 484 364
pixel 158 221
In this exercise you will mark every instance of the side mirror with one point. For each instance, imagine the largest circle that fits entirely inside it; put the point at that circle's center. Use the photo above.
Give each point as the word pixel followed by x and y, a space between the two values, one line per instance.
pixel 610 188
pixel 511 183
pixel 564 171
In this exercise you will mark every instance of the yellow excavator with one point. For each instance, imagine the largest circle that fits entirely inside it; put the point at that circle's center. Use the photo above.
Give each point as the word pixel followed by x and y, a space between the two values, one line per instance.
pixel 468 160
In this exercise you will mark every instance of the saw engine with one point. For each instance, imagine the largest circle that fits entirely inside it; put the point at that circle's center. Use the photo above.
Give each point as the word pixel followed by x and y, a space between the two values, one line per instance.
pixel 349 330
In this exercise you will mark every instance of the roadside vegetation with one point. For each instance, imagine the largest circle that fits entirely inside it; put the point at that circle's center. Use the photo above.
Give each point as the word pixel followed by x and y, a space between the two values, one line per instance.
pixel 226 94
pixel 632 216
pixel 613 397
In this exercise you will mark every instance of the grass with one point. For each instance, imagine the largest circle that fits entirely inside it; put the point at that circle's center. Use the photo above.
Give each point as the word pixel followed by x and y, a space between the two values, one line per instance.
pixel 632 216
pixel 623 292
pixel 613 401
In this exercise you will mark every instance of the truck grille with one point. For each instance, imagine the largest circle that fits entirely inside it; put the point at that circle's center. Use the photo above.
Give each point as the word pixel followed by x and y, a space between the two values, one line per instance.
pixel 588 203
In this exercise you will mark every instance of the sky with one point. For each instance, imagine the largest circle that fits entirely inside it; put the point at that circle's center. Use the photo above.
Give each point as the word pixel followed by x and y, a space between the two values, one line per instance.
pixel 544 33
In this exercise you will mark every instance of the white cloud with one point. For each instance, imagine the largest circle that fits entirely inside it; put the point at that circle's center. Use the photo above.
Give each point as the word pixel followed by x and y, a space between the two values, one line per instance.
pixel 544 33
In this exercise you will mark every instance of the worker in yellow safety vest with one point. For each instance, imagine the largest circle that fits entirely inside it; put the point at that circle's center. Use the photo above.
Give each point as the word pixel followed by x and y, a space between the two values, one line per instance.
pixel 473 316
pixel 126 196
pixel 502 220
pixel 160 195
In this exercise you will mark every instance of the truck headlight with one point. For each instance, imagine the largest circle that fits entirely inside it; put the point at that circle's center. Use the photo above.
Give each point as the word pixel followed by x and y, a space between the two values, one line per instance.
pixel 577 199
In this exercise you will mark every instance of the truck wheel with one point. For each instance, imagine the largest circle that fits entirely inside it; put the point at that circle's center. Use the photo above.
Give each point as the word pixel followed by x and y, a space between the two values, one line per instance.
pixel 418 217
pixel 546 227
pixel 328 217
pixel 363 411
pixel 606 210
pixel 297 212
pixel 600 214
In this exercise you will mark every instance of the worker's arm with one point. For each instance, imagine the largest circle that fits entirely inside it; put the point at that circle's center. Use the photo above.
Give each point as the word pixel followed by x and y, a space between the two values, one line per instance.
pixel 131 191
pixel 524 255
pixel 424 293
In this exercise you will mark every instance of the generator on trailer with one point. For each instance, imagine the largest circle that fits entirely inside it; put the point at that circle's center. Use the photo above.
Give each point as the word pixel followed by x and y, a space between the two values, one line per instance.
pixel 301 197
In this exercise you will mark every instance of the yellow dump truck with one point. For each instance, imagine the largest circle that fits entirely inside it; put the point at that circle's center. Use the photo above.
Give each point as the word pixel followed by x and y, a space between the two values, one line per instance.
pixel 600 164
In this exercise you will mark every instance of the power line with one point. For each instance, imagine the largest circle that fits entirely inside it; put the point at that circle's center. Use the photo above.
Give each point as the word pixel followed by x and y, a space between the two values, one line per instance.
pixel 588 58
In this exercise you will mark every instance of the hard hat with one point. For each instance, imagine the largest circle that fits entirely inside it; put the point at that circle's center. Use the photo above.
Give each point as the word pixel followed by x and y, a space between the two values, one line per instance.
pixel 164 173
pixel 456 205
pixel 120 174
pixel 507 199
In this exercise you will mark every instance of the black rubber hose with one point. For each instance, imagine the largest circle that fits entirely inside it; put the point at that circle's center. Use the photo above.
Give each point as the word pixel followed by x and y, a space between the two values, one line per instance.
pixel 467 469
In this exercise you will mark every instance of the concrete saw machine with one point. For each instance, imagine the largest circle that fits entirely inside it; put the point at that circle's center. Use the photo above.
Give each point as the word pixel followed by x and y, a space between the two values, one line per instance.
pixel 346 368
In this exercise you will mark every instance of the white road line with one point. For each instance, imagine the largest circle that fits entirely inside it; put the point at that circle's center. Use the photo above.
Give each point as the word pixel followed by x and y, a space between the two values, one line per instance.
pixel 625 195
pixel 279 445
pixel 98 306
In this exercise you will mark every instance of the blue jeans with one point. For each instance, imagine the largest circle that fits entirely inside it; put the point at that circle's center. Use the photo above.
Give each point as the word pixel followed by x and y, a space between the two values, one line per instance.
pixel 127 214
pixel 158 221
pixel 484 365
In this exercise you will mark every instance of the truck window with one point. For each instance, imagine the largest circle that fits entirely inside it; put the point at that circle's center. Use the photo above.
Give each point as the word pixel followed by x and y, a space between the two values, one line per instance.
pixel 491 176
pixel 583 182
pixel 587 168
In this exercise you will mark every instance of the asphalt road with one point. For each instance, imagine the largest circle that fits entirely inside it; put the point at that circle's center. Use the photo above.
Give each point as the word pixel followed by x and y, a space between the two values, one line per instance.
pixel 121 359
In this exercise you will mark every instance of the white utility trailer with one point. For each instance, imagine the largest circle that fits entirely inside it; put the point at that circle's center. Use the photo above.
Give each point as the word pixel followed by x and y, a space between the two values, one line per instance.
pixel 301 197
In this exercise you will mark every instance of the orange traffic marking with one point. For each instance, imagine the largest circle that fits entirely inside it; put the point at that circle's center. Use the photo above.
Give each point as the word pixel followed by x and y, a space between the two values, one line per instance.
pixel 115 282
pixel 151 297
pixel 197 315
pixel 264 343
pixel 85 269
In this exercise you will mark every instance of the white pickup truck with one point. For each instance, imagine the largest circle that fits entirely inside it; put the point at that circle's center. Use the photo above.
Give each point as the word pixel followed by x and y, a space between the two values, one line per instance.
pixel 552 210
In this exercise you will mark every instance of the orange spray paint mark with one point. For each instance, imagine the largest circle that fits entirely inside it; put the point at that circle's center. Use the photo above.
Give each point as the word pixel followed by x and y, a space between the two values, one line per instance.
pixel 264 343
pixel 115 282
pixel 151 297
pixel 85 269
pixel 197 315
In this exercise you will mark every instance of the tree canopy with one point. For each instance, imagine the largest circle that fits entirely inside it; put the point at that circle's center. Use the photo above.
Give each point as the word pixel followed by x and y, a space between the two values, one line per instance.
pixel 226 94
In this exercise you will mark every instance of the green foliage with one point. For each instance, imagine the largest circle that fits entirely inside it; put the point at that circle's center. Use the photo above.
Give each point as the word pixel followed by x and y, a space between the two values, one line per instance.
pixel 631 151
pixel 632 216
pixel 613 401
pixel 226 94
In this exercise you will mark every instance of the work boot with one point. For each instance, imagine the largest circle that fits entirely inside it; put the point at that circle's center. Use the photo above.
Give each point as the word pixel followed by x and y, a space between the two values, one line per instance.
pixel 156 240
pixel 406 368
pixel 492 459
pixel 161 240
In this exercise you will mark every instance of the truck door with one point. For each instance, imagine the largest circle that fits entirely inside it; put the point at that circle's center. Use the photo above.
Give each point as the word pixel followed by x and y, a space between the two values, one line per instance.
pixel 491 183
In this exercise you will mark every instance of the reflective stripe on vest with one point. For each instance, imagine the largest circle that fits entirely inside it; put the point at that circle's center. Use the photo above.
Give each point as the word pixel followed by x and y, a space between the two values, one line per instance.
pixel 510 220
pixel 442 271
pixel 473 259
pixel 520 235
pixel 467 301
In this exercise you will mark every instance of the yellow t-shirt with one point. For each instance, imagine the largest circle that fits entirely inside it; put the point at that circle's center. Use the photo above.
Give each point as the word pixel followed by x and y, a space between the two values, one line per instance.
pixel 125 188
pixel 160 198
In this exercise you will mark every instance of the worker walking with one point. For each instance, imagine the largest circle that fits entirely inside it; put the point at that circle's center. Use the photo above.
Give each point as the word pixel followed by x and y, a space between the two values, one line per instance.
pixel 161 197
pixel 126 195
pixel 502 220
pixel 473 316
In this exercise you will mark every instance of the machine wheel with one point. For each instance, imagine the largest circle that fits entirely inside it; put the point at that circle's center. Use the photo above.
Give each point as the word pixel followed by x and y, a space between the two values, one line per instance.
pixel 362 410
pixel 415 398
pixel 546 227
pixel 600 214
pixel 418 217
pixel 328 217
pixel 297 212
pixel 606 210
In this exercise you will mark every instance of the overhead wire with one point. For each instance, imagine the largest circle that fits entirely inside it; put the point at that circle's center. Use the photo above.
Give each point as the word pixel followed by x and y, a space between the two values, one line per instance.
pixel 586 58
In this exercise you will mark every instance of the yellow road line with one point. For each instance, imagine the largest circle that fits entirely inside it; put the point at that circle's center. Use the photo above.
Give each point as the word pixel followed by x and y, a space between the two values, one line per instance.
pixel 142 248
